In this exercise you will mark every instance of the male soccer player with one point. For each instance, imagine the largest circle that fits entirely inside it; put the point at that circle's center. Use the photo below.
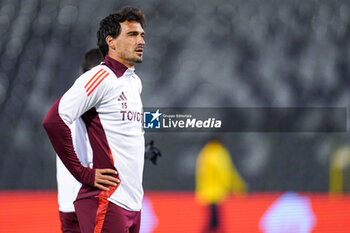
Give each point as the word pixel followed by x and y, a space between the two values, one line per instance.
pixel 67 185
pixel 107 98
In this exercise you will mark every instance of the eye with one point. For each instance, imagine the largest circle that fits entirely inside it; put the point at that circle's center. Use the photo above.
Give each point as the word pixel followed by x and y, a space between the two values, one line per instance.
pixel 132 34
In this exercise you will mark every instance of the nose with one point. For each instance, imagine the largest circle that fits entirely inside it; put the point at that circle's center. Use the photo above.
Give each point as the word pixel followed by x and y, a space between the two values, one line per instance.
pixel 141 41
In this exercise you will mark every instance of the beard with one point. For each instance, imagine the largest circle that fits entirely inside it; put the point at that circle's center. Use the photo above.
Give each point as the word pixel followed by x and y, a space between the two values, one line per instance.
pixel 135 60
pixel 131 57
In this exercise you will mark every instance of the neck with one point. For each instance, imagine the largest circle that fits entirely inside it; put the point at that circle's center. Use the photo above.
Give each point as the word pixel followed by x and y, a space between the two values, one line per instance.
pixel 121 60
pixel 117 67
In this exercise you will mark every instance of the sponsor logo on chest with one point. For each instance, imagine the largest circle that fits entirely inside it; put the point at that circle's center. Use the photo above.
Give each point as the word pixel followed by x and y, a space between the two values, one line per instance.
pixel 128 115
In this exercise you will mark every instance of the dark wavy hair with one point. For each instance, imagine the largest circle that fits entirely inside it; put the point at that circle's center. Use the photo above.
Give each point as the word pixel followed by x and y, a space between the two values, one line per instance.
pixel 110 26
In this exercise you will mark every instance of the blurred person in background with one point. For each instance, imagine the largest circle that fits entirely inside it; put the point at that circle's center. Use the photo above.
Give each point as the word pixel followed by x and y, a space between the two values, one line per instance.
pixel 67 186
pixel 107 98
pixel 216 178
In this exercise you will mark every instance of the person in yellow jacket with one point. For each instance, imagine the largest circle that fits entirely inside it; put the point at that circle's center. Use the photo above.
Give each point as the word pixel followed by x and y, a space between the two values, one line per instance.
pixel 216 178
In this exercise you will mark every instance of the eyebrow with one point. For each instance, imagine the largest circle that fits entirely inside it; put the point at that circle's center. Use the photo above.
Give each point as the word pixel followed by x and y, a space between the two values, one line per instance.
pixel 135 33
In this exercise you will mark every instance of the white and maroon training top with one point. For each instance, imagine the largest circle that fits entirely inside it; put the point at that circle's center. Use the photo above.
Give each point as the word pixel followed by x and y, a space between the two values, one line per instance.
pixel 108 100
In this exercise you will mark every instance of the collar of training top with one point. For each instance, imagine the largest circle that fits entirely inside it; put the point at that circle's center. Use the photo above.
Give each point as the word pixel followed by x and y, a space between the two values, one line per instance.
pixel 117 67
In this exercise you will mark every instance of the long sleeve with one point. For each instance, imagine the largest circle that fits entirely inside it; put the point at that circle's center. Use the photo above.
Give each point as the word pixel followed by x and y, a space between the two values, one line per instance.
pixel 61 140
pixel 85 94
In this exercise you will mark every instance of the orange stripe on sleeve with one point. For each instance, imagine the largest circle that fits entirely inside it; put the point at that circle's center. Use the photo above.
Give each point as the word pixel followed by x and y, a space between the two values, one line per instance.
pixel 96 79
pixel 93 78
pixel 98 83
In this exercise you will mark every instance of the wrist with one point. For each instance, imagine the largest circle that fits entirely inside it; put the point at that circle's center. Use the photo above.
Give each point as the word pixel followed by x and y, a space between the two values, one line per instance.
pixel 88 176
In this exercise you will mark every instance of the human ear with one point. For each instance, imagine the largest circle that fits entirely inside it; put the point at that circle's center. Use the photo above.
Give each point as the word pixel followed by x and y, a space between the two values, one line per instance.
pixel 110 42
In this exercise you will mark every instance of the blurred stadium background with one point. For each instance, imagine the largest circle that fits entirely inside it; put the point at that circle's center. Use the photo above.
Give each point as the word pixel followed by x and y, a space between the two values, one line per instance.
pixel 198 54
